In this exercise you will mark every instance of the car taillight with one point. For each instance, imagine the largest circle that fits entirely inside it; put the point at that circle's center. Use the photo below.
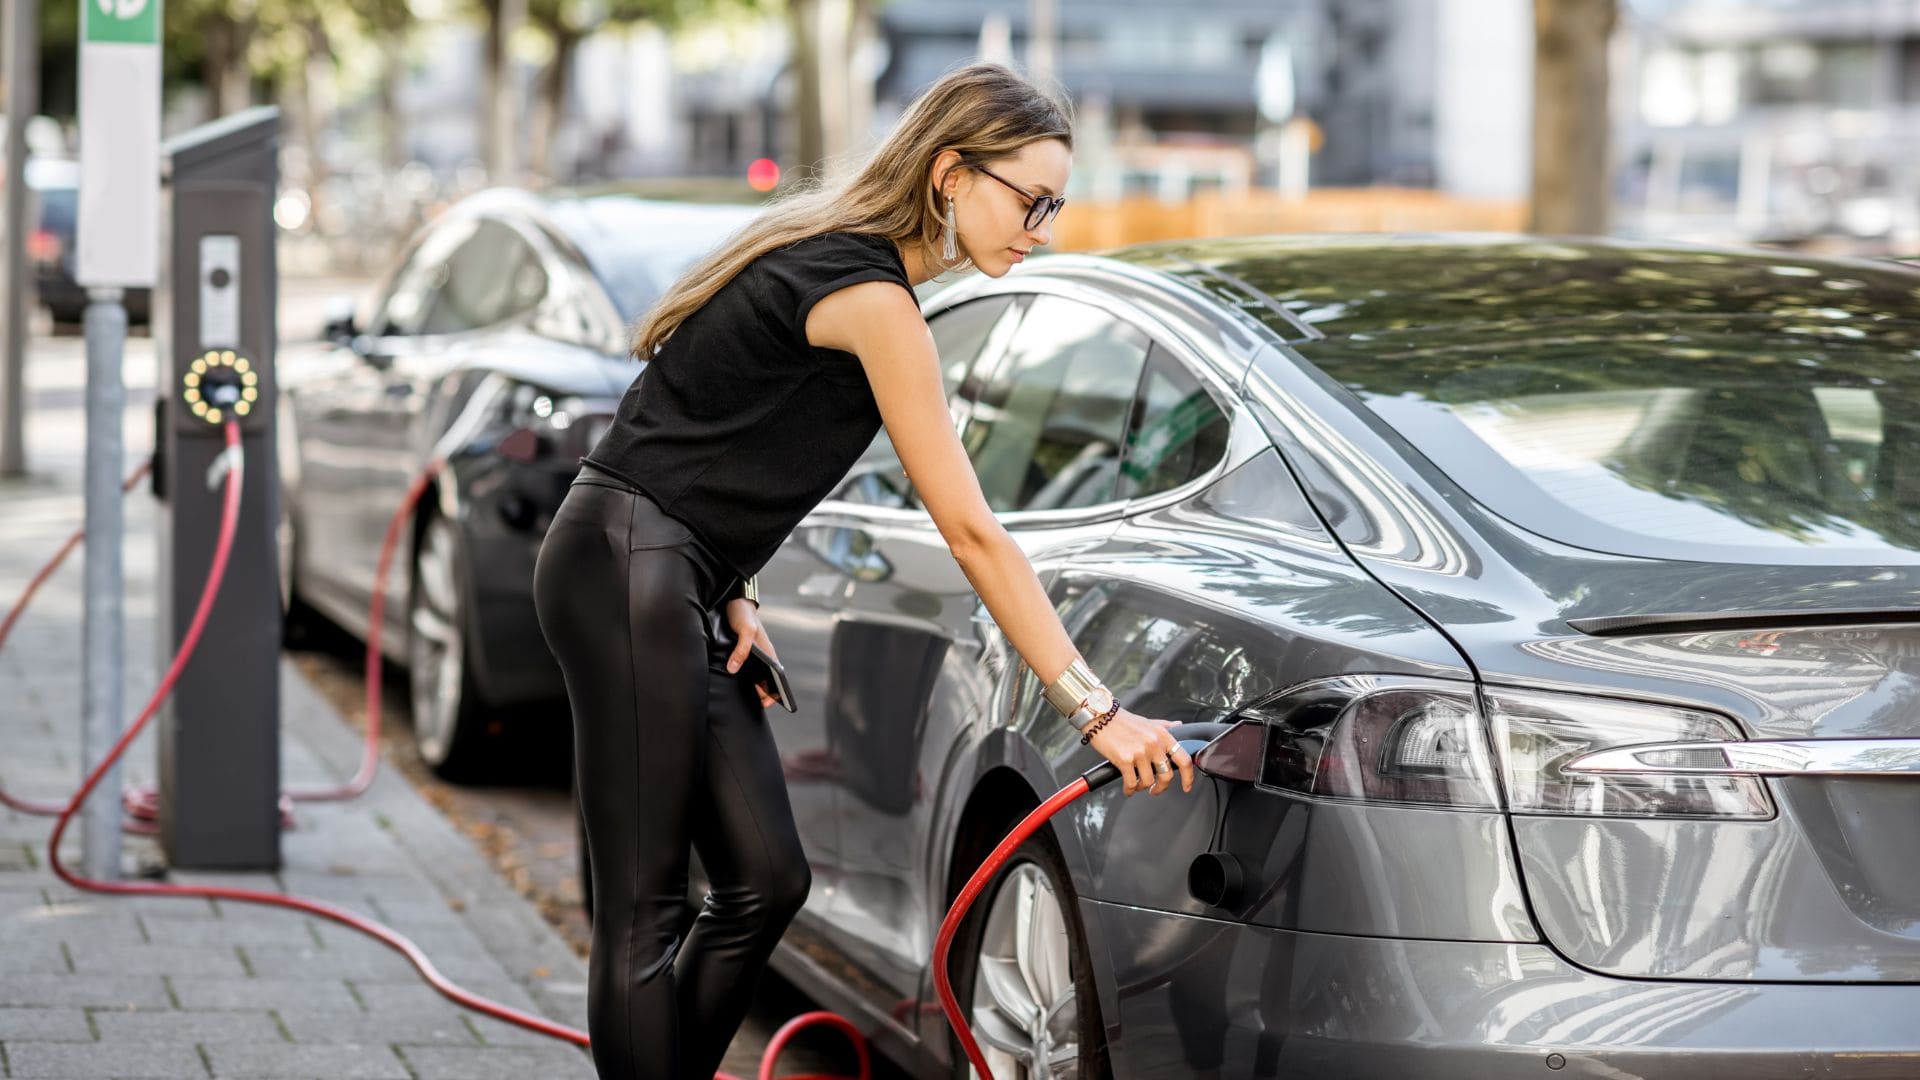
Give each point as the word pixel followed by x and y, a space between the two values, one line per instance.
pixel 1428 742
pixel 1380 739
pixel 1538 734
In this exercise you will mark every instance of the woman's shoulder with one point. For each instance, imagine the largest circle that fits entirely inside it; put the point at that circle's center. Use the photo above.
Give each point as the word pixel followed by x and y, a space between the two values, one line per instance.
pixel 844 245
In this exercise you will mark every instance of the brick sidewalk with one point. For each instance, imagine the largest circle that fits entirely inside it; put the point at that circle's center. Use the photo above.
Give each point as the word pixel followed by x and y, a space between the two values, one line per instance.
pixel 100 986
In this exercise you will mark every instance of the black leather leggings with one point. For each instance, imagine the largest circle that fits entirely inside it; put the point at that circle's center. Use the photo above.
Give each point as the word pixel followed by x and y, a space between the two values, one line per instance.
pixel 670 751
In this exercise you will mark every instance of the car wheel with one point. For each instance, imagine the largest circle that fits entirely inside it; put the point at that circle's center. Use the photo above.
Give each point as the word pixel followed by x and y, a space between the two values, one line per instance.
pixel 1022 972
pixel 451 728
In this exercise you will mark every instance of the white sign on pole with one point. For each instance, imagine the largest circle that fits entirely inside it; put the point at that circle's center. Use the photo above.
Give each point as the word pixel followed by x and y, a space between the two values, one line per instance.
pixel 118 232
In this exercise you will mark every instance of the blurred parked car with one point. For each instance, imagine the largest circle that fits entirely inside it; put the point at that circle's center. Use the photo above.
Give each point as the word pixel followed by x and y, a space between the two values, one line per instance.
pixel 498 350
pixel 55 183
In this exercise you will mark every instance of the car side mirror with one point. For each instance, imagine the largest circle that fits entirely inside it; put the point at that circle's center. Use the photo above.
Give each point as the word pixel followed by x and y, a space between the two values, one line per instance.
pixel 340 328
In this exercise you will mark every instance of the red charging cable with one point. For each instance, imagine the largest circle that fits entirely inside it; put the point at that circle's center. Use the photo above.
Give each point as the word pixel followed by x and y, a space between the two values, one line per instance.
pixel 1098 776
pixel 229 520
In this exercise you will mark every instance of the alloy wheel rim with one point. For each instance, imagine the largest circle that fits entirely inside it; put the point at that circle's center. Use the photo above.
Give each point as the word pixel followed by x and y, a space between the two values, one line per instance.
pixel 1025 1013
pixel 434 646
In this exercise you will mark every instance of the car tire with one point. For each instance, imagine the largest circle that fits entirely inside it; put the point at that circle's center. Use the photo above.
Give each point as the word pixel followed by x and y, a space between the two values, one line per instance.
pixel 1035 878
pixel 452 728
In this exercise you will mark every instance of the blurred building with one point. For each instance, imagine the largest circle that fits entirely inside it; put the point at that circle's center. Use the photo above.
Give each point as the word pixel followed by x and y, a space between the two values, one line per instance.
pixel 1176 98
pixel 1790 121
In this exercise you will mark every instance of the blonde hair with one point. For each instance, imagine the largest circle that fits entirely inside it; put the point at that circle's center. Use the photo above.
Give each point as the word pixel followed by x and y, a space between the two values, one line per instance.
pixel 983 111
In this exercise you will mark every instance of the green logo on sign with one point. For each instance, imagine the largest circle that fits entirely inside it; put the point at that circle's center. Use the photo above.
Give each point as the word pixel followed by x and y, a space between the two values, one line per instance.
pixel 135 22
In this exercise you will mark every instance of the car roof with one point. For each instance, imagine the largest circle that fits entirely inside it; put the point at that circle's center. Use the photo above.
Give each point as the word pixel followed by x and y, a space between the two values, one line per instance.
pixel 613 224
pixel 1378 284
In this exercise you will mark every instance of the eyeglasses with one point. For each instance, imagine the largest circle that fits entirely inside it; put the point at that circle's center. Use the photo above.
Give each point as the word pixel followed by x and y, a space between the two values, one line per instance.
pixel 1040 208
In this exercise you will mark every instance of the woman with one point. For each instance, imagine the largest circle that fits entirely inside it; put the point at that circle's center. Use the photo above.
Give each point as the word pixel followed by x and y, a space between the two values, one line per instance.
pixel 774 363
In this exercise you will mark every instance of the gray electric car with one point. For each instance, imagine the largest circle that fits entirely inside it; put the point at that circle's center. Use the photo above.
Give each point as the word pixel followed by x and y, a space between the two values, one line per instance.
pixel 1563 598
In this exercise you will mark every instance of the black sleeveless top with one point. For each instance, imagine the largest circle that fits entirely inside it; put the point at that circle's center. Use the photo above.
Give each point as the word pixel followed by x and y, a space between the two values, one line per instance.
pixel 738 427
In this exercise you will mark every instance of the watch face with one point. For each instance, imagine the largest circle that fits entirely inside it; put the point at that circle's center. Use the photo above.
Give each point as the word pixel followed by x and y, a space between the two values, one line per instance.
pixel 1100 700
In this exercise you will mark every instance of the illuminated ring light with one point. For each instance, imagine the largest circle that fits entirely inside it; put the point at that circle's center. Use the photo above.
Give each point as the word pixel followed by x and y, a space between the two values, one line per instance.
pixel 223 366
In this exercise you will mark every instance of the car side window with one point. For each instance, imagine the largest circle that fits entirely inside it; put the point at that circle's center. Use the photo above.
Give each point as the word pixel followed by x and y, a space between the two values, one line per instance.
pixel 1177 431
pixel 419 279
pixel 495 276
pixel 1047 429
pixel 961 335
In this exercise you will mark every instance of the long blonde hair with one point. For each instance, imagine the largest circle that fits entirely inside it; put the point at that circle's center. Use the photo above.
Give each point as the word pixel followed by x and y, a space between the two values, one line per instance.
pixel 983 111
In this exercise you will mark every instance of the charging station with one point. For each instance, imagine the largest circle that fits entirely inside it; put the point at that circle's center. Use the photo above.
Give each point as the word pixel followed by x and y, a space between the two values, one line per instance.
pixel 219 738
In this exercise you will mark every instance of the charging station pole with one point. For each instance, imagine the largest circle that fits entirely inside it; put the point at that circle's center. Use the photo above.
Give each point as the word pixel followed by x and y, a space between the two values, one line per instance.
pixel 220 730
pixel 117 242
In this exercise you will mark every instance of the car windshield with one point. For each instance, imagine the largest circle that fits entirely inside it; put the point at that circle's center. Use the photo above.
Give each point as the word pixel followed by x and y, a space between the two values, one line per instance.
pixel 639 247
pixel 1794 438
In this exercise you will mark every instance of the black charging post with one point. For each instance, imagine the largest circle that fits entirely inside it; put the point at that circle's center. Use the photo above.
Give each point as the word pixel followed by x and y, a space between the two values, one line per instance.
pixel 220 731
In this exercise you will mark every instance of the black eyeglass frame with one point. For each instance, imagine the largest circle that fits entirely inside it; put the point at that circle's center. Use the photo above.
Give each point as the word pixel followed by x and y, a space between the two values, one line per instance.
pixel 1040 208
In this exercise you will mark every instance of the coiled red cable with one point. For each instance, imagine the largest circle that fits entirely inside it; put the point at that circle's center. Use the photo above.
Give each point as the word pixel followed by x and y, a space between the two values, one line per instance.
pixel 229 520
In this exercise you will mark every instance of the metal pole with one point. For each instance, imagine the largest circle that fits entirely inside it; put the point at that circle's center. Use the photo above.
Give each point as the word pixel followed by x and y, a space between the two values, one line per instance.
pixel 103 626
pixel 23 78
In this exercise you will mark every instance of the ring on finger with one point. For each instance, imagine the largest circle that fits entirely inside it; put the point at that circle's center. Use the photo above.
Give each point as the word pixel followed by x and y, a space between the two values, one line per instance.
pixel 1163 766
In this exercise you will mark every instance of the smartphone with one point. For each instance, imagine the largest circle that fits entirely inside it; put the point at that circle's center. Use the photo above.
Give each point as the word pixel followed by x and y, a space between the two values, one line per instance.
pixel 766 671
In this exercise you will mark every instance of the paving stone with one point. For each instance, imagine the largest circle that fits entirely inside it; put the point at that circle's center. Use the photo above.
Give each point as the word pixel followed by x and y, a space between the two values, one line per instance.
pixel 558 1062
pixel 122 928
pixel 373 962
pixel 186 1026
pixel 277 1060
pixel 124 1061
pixel 106 959
pixel 209 931
pixel 46 1024
pixel 442 1025
pixel 105 991
pixel 33 956
pixel 200 992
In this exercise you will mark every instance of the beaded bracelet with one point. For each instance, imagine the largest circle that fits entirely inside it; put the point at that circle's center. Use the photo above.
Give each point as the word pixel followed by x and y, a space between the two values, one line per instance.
pixel 1094 728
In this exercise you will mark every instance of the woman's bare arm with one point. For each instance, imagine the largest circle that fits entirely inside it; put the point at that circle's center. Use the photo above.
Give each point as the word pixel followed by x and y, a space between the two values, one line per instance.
pixel 880 323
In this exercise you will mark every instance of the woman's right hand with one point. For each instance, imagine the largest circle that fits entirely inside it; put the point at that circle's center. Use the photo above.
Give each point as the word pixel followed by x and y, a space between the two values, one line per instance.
pixel 1135 743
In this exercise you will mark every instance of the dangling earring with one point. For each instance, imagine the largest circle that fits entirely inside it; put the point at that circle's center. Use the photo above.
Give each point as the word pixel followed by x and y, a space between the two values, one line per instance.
pixel 950 247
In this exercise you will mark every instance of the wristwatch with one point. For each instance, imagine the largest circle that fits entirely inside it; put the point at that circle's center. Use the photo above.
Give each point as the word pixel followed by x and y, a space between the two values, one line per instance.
pixel 1077 695
pixel 1096 706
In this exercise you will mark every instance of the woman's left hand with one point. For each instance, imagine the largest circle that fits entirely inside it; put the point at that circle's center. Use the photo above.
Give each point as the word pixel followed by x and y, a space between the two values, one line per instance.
pixel 744 616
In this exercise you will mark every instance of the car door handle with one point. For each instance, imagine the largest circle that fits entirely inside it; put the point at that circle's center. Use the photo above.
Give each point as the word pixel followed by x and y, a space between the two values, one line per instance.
pixel 1795 757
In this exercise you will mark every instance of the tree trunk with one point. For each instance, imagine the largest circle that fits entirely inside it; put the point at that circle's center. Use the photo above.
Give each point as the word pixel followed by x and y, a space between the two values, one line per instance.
pixel 320 93
pixel 1570 118
pixel 393 74
pixel 803 20
pixel 863 29
pixel 551 111
pixel 223 69
pixel 499 114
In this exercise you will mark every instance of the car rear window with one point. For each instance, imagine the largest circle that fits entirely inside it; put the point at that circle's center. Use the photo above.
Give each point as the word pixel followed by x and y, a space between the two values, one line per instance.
pixel 1720 439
